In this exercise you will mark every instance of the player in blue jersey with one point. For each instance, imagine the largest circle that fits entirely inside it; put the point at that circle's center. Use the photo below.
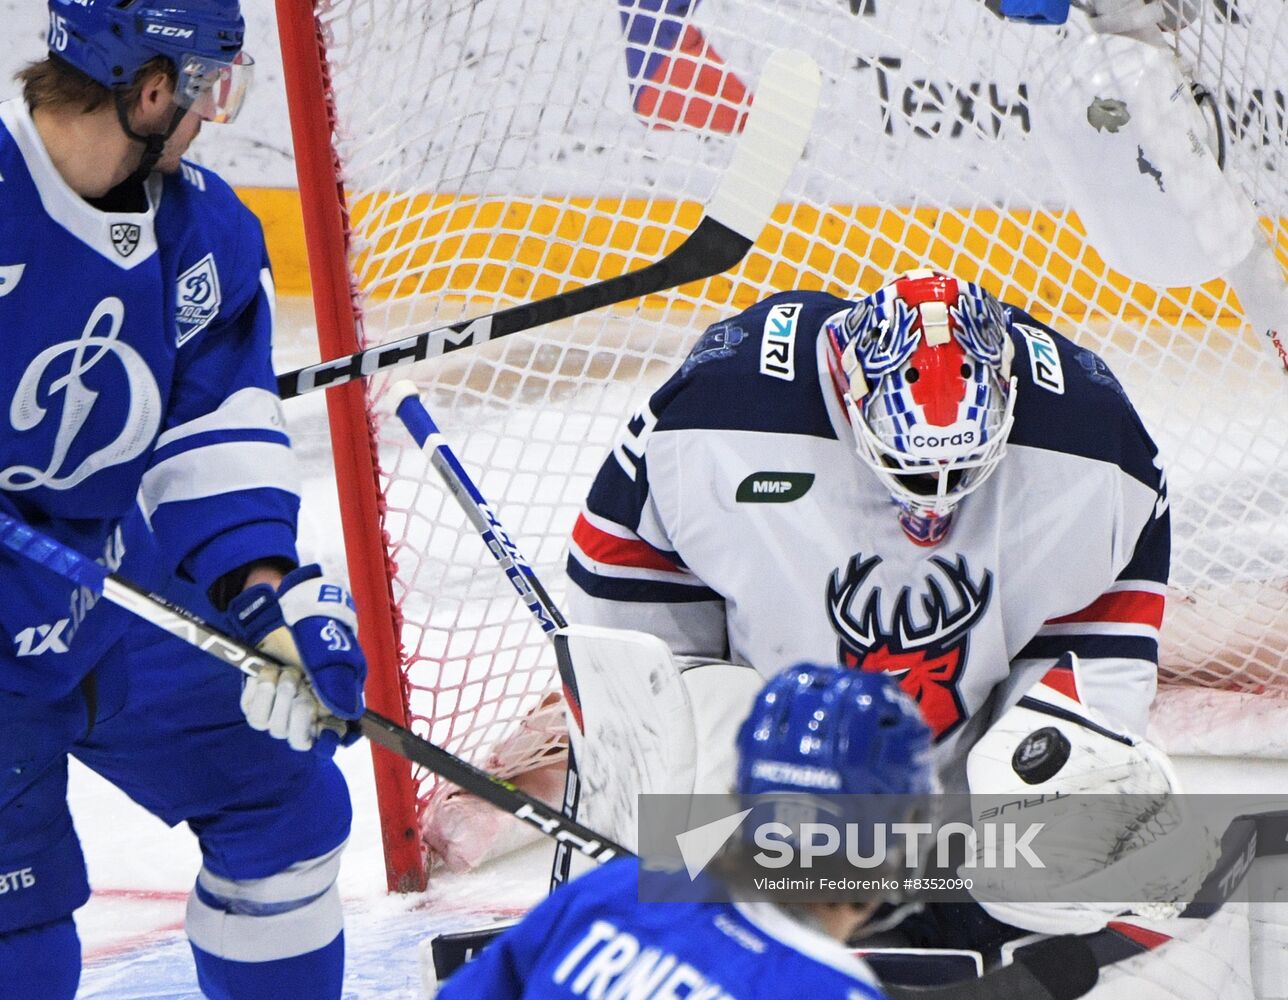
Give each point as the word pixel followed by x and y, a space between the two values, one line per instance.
pixel 810 726
pixel 143 429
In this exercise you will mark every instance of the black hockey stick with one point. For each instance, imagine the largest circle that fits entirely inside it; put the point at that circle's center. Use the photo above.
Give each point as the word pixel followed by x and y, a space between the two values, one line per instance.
pixel 1064 966
pixel 771 143
pixel 411 411
pixel 85 572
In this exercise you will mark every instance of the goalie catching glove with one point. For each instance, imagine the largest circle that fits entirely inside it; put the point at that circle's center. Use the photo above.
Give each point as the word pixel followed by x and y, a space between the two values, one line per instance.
pixel 1109 806
pixel 309 621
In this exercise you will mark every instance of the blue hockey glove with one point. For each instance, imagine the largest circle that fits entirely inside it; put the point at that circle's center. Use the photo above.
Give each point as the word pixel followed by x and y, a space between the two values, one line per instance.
pixel 310 621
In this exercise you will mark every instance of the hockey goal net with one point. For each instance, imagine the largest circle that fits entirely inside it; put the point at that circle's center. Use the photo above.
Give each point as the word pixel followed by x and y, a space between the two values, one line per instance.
pixel 488 152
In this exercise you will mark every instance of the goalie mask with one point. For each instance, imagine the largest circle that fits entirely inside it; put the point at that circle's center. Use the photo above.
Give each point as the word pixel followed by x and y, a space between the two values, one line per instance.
pixel 924 367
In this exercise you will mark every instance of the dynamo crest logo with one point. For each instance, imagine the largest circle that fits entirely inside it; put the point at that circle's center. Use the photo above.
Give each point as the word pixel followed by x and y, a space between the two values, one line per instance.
pixel 198 298
pixel 925 649
pixel 64 370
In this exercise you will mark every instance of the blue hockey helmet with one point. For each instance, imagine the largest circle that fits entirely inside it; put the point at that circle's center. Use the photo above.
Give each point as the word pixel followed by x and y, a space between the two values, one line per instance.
pixel 825 729
pixel 111 40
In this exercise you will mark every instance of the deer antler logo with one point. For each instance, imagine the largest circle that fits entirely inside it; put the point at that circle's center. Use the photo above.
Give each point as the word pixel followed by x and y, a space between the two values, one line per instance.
pixel 925 648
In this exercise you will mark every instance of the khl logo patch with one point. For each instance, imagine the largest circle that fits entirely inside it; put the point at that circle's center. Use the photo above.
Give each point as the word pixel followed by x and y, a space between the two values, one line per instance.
pixel 125 237
pixel 198 299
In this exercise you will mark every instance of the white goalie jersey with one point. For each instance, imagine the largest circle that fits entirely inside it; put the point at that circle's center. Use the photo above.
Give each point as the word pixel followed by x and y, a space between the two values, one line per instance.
pixel 734 520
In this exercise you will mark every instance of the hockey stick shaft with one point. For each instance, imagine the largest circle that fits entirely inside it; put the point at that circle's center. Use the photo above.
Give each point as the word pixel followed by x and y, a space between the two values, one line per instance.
pixel 415 417
pixel 771 144
pixel 709 249
pixel 1059 968
pixel 411 411
pixel 83 571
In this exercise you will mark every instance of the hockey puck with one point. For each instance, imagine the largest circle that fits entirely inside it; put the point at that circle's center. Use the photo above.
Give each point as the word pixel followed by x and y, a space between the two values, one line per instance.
pixel 1040 755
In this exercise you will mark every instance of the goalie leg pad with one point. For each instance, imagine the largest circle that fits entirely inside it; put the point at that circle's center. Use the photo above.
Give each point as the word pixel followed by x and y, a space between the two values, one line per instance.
pixel 650 724
pixel 1205 959
pixel 721 695
pixel 254 939
pixel 636 734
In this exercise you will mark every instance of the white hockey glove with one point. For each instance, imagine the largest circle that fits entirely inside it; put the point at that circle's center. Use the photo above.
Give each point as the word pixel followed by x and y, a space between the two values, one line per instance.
pixel 310 621
pixel 1051 745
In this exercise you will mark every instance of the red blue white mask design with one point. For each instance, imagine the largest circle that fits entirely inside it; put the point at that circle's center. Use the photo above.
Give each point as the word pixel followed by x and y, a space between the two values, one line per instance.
pixel 925 368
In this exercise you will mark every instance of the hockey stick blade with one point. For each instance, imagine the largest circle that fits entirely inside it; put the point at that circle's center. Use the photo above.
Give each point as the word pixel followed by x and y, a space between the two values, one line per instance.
pixel 1059 968
pixel 83 571
pixel 770 146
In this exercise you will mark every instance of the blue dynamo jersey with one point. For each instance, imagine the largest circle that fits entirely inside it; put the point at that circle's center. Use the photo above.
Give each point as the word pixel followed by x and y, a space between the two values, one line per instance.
pixel 592 939
pixel 138 370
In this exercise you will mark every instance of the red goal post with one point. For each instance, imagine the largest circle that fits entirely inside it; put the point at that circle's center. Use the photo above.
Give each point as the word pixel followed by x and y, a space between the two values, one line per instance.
pixel 458 158
pixel 338 310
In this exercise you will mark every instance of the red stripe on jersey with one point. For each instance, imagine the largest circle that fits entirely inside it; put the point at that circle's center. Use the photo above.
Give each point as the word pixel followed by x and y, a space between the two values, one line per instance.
pixel 1138 607
pixel 1061 679
pixel 605 548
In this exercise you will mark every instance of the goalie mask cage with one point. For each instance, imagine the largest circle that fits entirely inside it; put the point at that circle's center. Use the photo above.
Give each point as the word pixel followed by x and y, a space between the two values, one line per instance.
pixel 456 158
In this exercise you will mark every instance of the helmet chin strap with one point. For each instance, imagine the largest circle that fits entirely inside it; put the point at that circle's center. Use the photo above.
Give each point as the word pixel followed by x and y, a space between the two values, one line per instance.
pixel 153 143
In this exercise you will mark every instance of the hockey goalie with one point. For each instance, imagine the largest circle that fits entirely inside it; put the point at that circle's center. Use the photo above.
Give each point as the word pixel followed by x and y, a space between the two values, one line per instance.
pixel 924 482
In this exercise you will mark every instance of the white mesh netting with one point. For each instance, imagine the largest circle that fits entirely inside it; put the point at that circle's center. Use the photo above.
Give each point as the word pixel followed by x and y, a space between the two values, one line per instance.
pixel 492 153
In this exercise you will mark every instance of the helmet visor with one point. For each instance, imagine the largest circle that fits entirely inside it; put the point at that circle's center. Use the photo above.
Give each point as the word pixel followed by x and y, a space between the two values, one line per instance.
pixel 213 89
